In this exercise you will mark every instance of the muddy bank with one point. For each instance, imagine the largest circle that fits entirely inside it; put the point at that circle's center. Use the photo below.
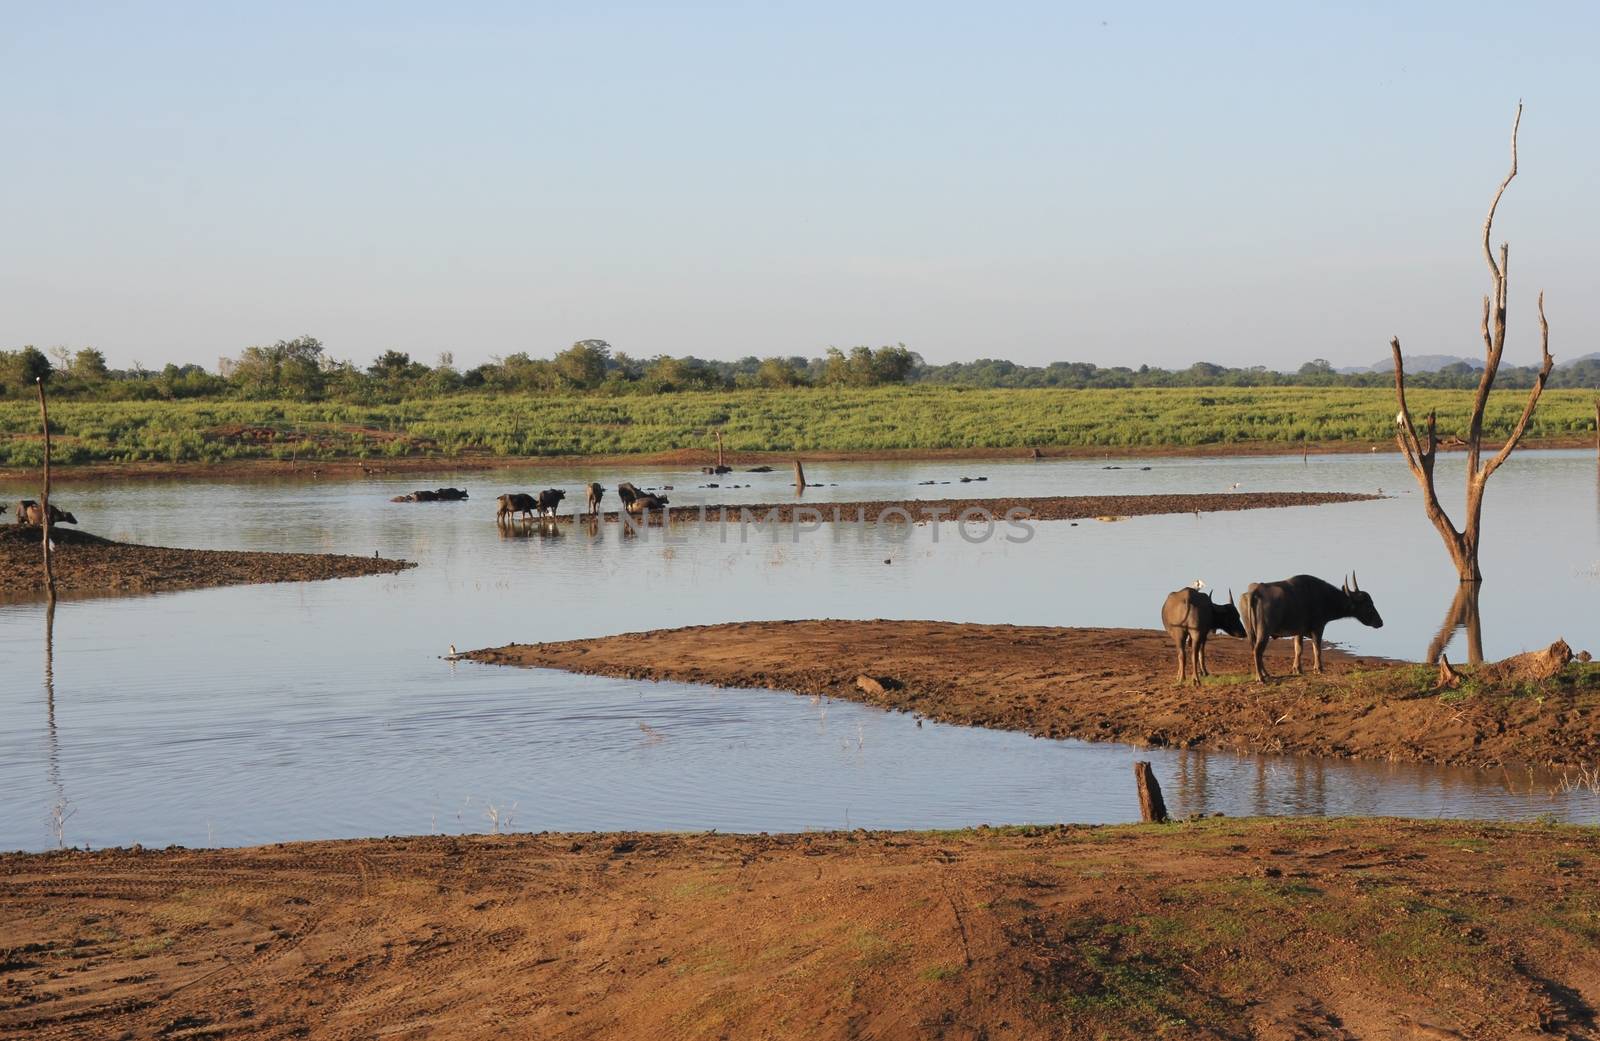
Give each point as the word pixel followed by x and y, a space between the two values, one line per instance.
pixel 1044 507
pixel 694 459
pixel 1218 929
pixel 88 565
pixel 1111 685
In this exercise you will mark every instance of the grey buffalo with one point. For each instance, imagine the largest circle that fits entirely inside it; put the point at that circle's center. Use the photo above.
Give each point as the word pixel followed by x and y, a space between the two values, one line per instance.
pixel 1301 606
pixel 596 492
pixel 1190 617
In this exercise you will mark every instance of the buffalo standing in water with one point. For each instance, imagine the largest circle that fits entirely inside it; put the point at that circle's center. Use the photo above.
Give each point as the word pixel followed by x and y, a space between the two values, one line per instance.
pixel 627 493
pixel 1190 617
pixel 513 503
pixel 1299 607
pixel 597 492
pixel 549 499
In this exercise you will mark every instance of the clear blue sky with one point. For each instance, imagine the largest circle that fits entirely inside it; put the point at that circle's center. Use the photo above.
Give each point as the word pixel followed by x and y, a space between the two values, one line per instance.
pixel 1241 183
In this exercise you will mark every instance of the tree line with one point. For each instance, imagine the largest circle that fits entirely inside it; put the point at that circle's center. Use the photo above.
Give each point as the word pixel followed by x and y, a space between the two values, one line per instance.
pixel 301 370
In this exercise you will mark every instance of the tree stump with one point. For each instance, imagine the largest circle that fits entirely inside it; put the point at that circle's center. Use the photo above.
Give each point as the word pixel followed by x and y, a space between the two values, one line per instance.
pixel 1449 678
pixel 1152 808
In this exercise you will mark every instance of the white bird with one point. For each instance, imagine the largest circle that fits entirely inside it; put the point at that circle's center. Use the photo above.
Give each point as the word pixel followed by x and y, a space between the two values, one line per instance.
pixel 1234 486
pixel 1198 583
pixel 1400 418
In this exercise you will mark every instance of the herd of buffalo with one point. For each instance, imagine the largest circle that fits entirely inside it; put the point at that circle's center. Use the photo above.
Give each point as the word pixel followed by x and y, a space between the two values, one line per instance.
pixel 525 505
pixel 1298 607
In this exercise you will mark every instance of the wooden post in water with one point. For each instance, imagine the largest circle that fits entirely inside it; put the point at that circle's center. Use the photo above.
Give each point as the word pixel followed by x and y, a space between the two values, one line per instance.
pixel 719 444
pixel 1597 425
pixel 799 477
pixel 44 496
pixel 1152 808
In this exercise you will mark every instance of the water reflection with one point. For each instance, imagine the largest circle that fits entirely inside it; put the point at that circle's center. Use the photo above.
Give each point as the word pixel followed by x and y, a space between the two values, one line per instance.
pixel 321 709
pixel 60 807
pixel 1464 614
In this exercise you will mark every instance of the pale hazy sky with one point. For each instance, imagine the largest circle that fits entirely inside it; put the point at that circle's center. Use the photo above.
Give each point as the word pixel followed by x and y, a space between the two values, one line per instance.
pixel 1241 183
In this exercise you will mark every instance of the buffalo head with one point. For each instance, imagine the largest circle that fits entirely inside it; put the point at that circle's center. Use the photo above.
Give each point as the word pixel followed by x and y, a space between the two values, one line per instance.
pixel 1361 604
pixel 1225 617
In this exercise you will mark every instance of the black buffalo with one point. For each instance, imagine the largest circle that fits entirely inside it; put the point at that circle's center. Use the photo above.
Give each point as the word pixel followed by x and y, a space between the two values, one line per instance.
pixel 514 503
pixel 1190 617
pixel 549 499
pixel 30 513
pixel 437 495
pixel 627 493
pixel 644 503
pixel 1299 607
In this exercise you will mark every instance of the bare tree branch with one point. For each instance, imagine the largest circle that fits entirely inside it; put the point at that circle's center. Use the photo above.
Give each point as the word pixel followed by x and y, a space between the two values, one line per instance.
pixel 1488 223
pixel 1463 544
pixel 1521 428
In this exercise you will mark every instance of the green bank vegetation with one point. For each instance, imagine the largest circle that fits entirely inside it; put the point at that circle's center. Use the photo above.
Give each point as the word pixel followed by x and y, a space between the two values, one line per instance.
pixel 796 419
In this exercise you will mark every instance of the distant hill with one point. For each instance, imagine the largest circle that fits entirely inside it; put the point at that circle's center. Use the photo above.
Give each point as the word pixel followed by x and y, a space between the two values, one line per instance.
pixel 1414 363
pixel 1435 362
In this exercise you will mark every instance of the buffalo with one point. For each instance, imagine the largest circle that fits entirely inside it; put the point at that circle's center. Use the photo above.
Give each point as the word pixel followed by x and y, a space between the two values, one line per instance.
pixel 596 492
pixel 627 493
pixel 514 503
pixel 30 513
pixel 437 495
pixel 1190 617
pixel 1299 607
pixel 549 499
pixel 644 503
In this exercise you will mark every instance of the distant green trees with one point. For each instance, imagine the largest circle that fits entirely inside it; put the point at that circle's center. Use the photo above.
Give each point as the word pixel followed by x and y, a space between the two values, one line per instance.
pixel 300 369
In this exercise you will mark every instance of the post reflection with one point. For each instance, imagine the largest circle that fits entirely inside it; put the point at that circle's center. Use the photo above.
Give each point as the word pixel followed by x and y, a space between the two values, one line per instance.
pixel 60 807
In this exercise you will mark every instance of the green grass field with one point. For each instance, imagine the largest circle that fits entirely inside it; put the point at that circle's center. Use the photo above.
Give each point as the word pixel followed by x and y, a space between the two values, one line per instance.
pixel 795 420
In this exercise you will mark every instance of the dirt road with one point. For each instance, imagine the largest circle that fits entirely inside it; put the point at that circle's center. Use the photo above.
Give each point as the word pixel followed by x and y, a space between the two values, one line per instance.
pixel 1218 929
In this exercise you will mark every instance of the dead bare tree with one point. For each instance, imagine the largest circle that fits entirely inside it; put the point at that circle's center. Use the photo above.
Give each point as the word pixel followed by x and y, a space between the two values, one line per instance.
pixel 1463 544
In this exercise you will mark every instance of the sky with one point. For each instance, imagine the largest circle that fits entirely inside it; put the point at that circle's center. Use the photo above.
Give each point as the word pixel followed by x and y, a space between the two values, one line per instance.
pixel 1121 184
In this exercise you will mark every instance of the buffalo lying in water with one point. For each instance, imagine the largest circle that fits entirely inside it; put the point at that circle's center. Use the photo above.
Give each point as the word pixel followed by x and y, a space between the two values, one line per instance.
pixel 437 495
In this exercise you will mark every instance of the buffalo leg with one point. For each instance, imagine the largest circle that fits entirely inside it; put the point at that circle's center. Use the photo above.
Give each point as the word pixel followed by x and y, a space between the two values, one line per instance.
pixel 1200 658
pixel 1297 656
pixel 1316 652
pixel 1180 640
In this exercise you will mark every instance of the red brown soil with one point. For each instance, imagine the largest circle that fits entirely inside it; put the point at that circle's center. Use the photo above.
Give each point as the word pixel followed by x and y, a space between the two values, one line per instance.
pixel 694 458
pixel 86 564
pixel 1228 929
pixel 1107 685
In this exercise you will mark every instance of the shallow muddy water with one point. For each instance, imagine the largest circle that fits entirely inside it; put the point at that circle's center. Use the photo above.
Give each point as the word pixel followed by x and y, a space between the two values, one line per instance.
pixel 269 713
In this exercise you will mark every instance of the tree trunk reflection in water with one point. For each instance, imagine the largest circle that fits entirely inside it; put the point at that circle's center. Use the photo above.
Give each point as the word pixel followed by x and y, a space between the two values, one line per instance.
pixel 1463 614
pixel 60 808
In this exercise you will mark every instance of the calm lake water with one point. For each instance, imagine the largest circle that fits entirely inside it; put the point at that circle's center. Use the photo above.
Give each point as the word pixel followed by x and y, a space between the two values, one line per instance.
pixel 268 713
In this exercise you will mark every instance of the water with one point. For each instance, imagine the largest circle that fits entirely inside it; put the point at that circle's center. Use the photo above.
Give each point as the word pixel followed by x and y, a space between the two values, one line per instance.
pixel 268 713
